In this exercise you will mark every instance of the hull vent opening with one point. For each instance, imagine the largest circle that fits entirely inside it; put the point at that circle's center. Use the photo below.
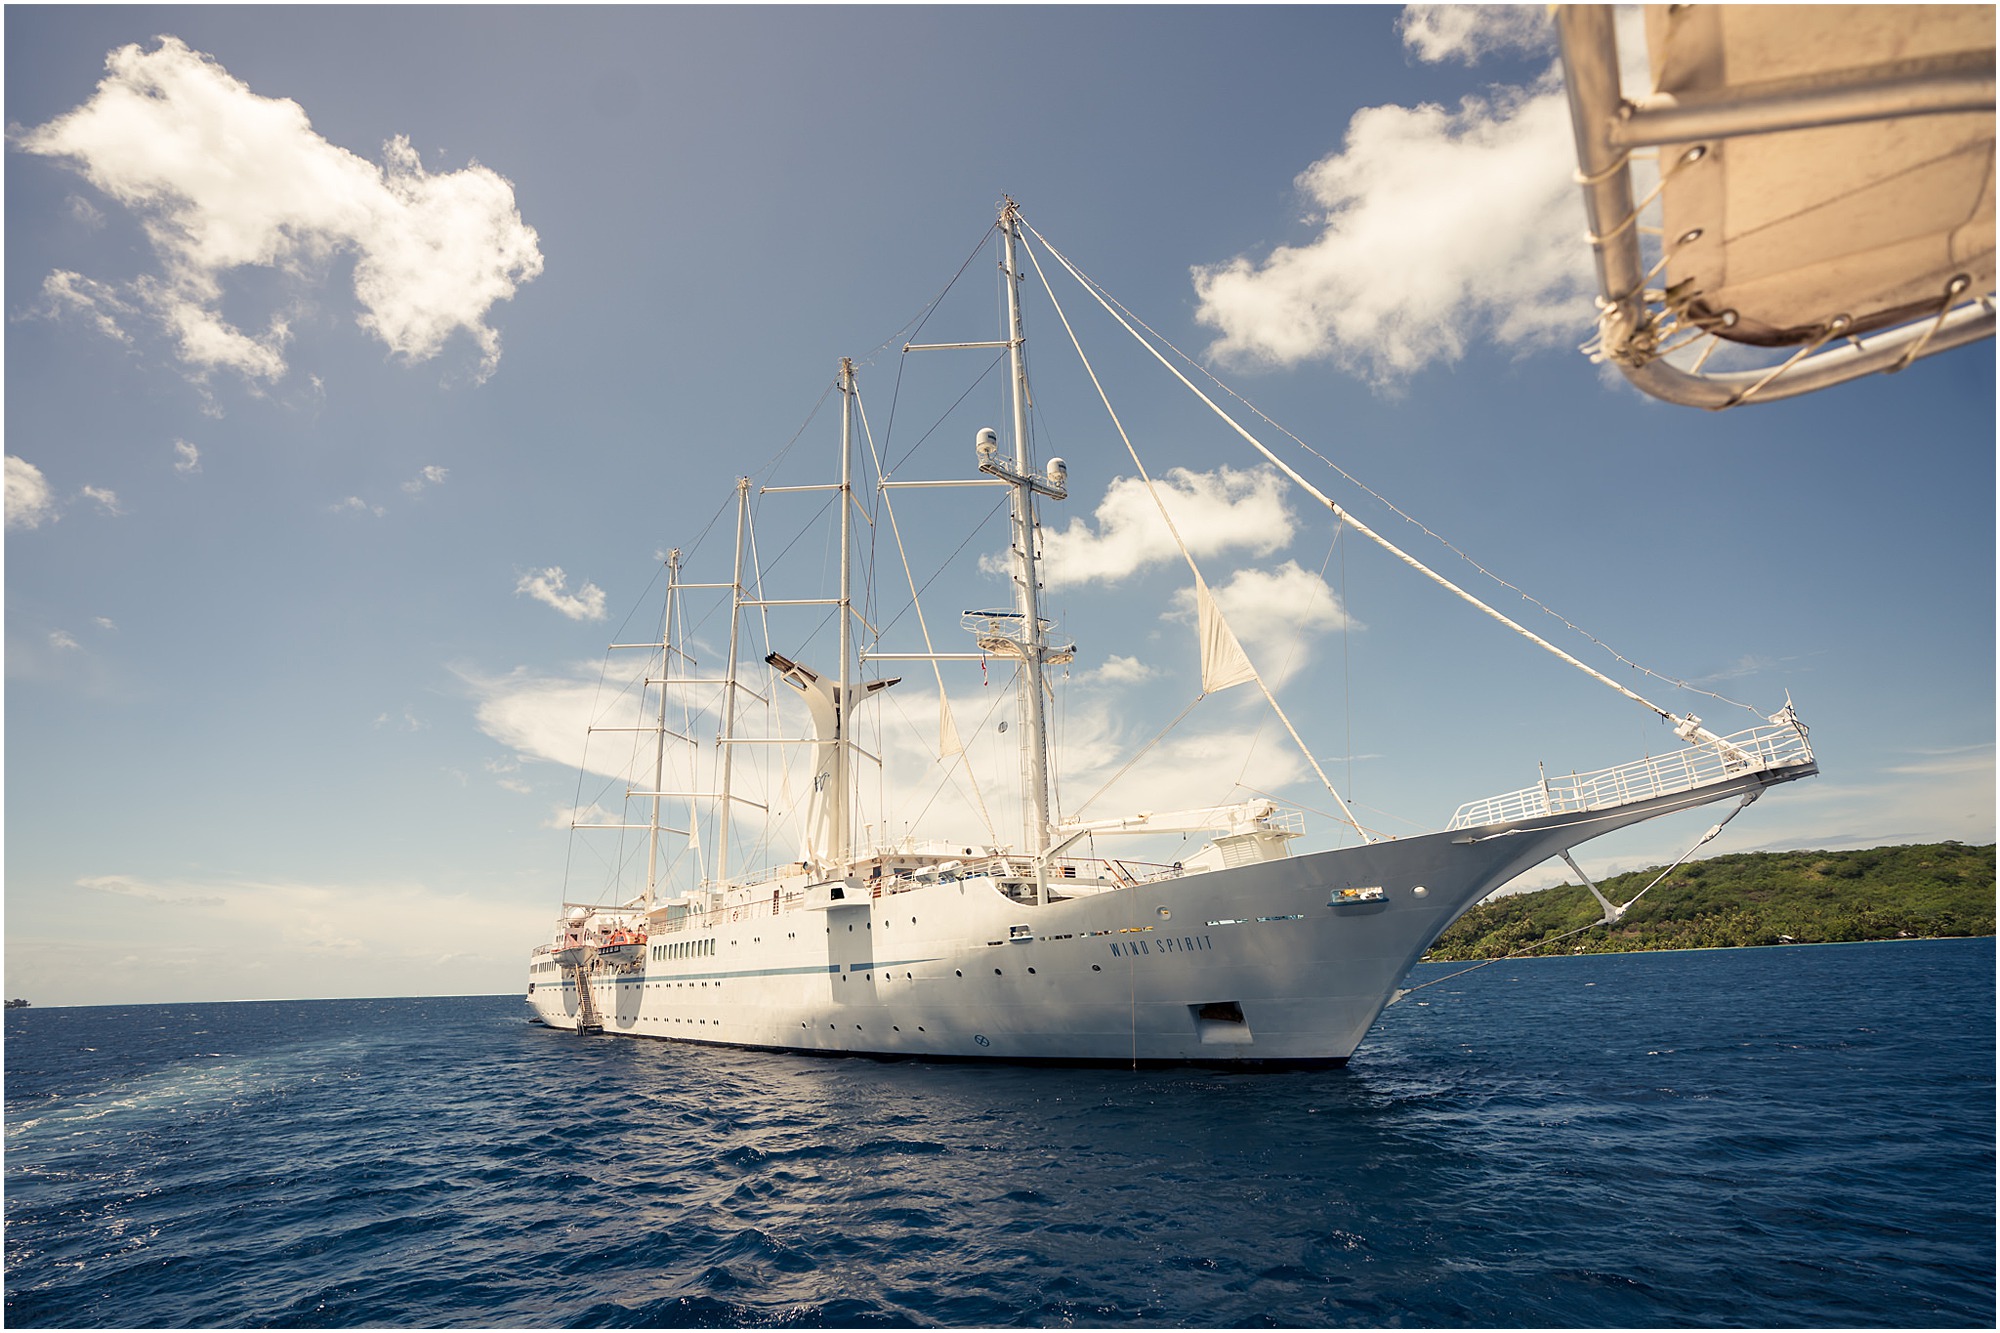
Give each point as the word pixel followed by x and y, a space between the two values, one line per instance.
pixel 1221 1023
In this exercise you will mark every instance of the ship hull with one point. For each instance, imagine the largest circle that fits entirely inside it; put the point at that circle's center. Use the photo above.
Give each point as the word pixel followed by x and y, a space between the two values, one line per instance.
pixel 1269 963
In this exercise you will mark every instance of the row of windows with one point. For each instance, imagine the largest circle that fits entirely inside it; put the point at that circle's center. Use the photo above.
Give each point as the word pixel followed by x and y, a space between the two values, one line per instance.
pixel 685 949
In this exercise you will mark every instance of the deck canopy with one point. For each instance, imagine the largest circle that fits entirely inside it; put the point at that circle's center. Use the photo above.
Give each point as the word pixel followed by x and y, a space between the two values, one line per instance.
pixel 1824 193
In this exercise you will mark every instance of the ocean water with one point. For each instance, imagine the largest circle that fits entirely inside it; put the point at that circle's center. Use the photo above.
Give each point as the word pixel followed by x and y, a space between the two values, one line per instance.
pixel 1773 1138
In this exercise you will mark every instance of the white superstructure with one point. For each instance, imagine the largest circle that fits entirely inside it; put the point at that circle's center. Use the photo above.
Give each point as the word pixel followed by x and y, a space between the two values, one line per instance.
pixel 1031 950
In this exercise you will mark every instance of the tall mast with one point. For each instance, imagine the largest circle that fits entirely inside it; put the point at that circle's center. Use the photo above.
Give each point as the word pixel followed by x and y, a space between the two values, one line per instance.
pixel 1027 580
pixel 837 824
pixel 660 731
pixel 730 686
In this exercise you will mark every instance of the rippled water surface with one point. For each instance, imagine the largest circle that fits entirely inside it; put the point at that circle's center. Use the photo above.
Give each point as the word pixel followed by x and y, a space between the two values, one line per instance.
pixel 1777 1137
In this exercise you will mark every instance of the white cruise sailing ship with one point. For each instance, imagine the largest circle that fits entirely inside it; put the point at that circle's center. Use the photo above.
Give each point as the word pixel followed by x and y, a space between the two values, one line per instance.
pixel 1045 948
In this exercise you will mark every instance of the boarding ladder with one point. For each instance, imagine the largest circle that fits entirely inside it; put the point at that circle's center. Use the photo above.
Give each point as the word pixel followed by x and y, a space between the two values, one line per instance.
pixel 587 1021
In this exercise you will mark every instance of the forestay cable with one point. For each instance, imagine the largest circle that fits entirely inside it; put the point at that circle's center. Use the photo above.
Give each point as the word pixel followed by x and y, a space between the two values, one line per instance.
pixel 1689 728
pixel 1201 588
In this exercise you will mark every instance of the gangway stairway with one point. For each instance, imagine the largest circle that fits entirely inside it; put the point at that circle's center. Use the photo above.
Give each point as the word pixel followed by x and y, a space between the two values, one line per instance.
pixel 587 1021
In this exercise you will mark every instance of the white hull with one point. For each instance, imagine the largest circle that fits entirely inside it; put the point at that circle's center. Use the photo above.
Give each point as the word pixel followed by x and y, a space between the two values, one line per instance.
pixel 1151 974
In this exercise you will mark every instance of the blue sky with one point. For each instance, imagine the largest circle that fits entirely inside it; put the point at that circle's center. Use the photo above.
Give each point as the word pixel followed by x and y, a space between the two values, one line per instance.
pixel 307 405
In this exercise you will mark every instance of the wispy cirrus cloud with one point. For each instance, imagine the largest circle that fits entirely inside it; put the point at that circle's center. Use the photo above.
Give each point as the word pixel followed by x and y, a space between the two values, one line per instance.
pixel 187 458
pixel 223 179
pixel 551 588
pixel 430 476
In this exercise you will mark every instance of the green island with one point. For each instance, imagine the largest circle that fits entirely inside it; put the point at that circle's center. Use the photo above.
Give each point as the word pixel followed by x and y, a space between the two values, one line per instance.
pixel 1751 898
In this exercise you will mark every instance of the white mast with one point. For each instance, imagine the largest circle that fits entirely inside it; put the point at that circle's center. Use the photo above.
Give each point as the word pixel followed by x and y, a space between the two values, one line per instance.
pixel 1027 578
pixel 730 685
pixel 660 733
pixel 838 842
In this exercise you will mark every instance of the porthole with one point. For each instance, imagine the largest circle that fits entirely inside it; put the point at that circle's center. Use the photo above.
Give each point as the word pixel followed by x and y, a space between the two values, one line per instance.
pixel 1095 968
pixel 1031 971
pixel 996 971
pixel 1165 913
pixel 957 973
pixel 1420 891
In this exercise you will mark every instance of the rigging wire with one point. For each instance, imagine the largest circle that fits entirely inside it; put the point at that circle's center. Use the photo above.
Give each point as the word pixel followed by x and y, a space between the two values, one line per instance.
pixel 1611 915
pixel 1110 301
pixel 1153 492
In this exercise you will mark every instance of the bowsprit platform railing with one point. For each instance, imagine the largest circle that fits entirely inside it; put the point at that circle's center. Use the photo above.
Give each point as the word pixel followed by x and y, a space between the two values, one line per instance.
pixel 1775 746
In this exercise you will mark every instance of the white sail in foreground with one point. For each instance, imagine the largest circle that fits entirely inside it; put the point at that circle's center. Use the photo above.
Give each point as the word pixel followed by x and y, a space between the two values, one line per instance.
pixel 1044 950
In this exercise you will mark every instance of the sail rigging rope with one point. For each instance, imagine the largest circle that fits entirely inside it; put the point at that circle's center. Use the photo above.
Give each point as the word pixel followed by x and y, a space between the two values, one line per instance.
pixel 1119 312
pixel 1153 492
pixel 1358 525
pixel 1143 751
pixel 937 671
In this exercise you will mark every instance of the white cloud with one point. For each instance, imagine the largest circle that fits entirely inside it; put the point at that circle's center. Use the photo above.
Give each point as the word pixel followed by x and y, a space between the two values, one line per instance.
pixel 1470 33
pixel 430 476
pixel 1215 511
pixel 539 716
pixel 30 503
pixel 1117 670
pixel 187 458
pixel 106 500
pixel 313 938
pixel 550 587
pixel 67 292
pixel 1191 767
pixel 128 886
pixel 224 179
pixel 1276 613
pixel 1438 229
pixel 105 623
pixel 354 504
pixel 63 641
pixel 1974 761
pixel 86 213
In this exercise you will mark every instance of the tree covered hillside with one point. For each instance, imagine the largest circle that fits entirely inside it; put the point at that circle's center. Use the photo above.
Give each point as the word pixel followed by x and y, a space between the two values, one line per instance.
pixel 1883 893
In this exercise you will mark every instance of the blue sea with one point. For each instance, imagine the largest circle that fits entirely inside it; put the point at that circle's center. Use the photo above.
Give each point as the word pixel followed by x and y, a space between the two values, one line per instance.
pixel 1765 1138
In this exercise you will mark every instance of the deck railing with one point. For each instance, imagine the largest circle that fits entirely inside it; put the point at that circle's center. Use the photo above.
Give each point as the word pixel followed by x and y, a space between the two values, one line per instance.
pixel 1778 745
